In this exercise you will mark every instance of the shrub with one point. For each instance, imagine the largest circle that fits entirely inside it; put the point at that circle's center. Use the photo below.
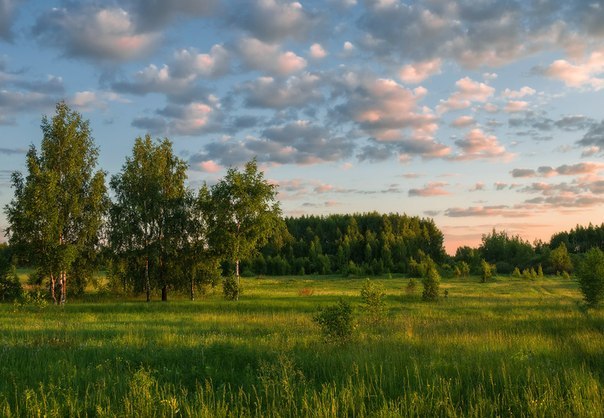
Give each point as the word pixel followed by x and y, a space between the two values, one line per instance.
pixel 372 295
pixel 336 322
pixel 516 273
pixel 231 288
pixel 10 286
pixel 540 272
pixel 431 285
pixel 486 271
pixel 590 275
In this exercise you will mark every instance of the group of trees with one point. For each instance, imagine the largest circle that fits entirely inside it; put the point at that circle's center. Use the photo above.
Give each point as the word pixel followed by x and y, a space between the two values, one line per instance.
pixel 157 233
pixel 369 243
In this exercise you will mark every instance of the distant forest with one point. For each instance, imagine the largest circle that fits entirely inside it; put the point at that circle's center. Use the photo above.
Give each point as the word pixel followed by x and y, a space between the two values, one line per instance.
pixel 374 244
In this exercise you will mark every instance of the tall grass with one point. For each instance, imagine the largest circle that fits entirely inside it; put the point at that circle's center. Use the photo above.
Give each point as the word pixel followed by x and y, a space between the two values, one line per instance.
pixel 505 348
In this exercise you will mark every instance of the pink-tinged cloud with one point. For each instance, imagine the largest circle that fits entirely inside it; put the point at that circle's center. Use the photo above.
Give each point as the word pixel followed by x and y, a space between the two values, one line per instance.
pixel 477 145
pixel 189 62
pixel 468 92
pixel 429 190
pixel 417 72
pixel 487 211
pixel 317 51
pixel 514 106
pixel 478 187
pixel 518 94
pixel 585 73
pixel 463 122
pixel 267 57
pixel 587 168
pixel 209 166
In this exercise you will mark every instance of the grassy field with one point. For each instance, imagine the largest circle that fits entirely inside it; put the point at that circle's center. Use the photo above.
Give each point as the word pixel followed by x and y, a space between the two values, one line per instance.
pixel 507 348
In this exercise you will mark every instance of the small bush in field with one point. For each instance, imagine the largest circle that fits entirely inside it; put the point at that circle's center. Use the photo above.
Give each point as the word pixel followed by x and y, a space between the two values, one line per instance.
pixel 372 295
pixel 336 322
pixel 231 288
pixel 486 271
pixel 516 273
pixel 431 285
pixel 591 276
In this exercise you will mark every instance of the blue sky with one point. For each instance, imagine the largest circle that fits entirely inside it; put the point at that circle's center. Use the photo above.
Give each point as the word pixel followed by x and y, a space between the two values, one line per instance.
pixel 479 114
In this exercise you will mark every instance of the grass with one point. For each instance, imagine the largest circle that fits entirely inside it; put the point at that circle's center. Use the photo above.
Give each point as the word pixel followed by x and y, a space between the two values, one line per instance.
pixel 506 348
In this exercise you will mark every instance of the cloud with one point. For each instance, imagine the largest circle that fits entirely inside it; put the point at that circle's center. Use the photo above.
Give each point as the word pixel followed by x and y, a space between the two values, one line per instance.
pixel 518 94
pixel 478 145
pixel 299 142
pixel 391 115
pixel 271 93
pixel 585 73
pixel 468 92
pixel 487 211
pixel 429 190
pixel 594 136
pixel 463 121
pixel 7 14
pixel 190 119
pixel 261 56
pixel 586 168
pixel 191 63
pixel 417 72
pixel 273 20
pixel 156 14
pixel 208 166
pixel 478 187
pixel 105 34
pixel 514 106
pixel 317 51
pixel 87 100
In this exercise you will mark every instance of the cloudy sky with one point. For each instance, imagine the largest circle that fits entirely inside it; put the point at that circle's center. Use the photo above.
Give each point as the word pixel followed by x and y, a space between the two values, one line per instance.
pixel 478 113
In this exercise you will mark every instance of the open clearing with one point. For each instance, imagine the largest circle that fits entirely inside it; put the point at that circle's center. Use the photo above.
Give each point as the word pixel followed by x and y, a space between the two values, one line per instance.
pixel 511 347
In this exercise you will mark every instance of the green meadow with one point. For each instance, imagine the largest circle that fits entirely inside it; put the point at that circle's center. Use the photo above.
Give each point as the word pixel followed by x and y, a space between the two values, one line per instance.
pixel 511 347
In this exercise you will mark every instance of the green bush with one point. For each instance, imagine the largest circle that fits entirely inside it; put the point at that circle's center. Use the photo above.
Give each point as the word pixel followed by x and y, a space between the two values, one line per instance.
pixel 336 322
pixel 231 288
pixel 486 271
pixel 10 287
pixel 516 273
pixel 431 285
pixel 590 275
pixel 372 295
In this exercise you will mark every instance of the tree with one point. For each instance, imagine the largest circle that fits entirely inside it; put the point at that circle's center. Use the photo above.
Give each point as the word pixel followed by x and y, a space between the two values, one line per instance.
pixel 486 271
pixel 242 214
pixel 58 208
pixel 431 284
pixel 591 276
pixel 148 219
pixel 560 259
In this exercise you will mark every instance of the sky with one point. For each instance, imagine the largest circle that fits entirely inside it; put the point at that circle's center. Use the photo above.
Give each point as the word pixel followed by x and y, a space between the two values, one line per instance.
pixel 479 114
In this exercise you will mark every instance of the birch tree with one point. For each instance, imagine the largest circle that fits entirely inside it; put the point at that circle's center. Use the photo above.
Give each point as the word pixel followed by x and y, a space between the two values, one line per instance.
pixel 147 218
pixel 57 210
pixel 242 214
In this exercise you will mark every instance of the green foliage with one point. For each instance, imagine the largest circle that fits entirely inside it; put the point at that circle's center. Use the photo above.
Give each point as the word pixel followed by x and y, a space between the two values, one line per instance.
pixel 559 259
pixel 149 217
pixel 372 296
pixel 336 322
pixel 10 287
pixel 431 284
pixel 516 273
pixel 58 207
pixel 590 275
pixel 500 247
pixel 231 288
pixel 243 214
pixel 486 271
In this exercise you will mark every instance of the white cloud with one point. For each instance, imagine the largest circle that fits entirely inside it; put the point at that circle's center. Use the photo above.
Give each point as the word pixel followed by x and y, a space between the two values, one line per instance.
pixel 317 51
pixel 417 72
pixel 266 57
pixel 468 92
pixel 477 145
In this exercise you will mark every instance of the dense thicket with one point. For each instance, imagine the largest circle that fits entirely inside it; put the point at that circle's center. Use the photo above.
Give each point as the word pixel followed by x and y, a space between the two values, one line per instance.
pixel 369 243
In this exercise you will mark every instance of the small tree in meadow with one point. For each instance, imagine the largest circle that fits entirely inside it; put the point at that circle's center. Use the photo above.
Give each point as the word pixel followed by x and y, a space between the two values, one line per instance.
pixel 372 295
pixel 431 284
pixel 336 322
pixel 590 275
pixel 516 273
pixel 486 271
